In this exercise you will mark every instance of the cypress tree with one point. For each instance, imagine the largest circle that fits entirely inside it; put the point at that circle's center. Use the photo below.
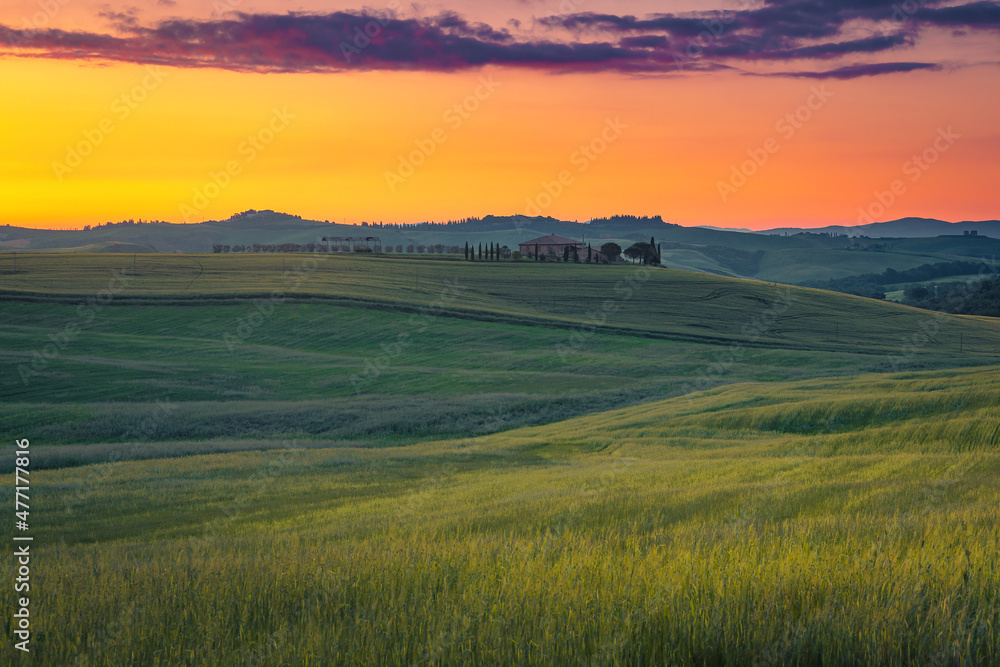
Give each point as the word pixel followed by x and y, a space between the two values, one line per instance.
pixel 466 251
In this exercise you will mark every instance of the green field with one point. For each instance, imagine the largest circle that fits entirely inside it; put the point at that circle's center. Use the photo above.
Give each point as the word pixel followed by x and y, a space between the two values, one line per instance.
pixel 435 462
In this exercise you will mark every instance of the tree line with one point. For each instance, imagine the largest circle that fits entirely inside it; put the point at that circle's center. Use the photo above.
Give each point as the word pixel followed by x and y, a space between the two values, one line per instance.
pixel 961 298
pixel 872 285
pixel 646 253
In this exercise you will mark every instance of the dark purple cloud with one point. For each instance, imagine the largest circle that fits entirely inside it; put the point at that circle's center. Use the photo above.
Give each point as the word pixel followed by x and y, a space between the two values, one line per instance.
pixel 974 15
pixel 856 71
pixel 781 30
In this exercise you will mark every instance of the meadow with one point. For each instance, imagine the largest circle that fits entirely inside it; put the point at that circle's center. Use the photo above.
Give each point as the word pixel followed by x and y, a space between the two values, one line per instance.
pixel 793 530
pixel 627 299
pixel 720 472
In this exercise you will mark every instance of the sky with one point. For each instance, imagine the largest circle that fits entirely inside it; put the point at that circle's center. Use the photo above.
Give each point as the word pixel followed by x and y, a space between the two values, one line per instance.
pixel 751 114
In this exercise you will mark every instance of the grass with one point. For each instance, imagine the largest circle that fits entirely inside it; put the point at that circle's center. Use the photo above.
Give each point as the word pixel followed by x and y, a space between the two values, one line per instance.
pixel 304 373
pixel 625 299
pixel 725 472
pixel 636 536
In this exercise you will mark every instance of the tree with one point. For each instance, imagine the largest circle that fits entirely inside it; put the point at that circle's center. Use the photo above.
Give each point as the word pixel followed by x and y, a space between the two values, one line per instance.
pixel 517 255
pixel 480 252
pixel 409 249
pixel 638 251
pixel 576 255
pixel 590 253
pixel 466 250
pixel 565 253
pixel 536 252
pixel 612 251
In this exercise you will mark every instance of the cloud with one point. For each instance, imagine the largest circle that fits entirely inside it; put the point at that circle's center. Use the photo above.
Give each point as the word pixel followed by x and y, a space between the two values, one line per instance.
pixel 781 30
pixel 973 15
pixel 856 71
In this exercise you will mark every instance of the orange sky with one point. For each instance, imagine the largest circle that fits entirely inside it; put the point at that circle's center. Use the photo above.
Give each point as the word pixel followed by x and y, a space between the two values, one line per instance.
pixel 335 136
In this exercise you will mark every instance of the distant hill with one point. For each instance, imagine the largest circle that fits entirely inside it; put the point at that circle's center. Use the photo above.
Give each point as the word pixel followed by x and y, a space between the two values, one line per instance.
pixel 903 228
pixel 111 247
pixel 793 256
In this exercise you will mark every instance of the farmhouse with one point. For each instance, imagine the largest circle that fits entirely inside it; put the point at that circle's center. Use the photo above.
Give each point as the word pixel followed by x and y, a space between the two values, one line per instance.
pixel 556 245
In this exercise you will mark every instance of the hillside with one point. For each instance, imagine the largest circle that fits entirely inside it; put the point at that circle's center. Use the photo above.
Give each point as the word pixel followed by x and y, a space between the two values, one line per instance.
pixel 801 257
pixel 340 458
pixel 846 521
pixel 665 303
pixel 876 414
pixel 398 350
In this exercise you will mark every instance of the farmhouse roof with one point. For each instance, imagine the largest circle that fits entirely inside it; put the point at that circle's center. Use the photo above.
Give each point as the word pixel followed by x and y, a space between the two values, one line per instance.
pixel 551 239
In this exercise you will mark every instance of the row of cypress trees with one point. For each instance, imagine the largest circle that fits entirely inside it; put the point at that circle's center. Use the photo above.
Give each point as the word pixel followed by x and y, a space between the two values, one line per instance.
pixel 648 252
pixel 492 252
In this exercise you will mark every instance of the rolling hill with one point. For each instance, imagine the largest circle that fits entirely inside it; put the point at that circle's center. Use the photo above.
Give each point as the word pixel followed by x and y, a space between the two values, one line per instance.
pixel 800 257
pixel 280 459
pixel 905 227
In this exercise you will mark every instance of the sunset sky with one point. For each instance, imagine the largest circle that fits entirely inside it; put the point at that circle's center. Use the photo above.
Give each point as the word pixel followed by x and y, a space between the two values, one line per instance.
pixel 739 114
